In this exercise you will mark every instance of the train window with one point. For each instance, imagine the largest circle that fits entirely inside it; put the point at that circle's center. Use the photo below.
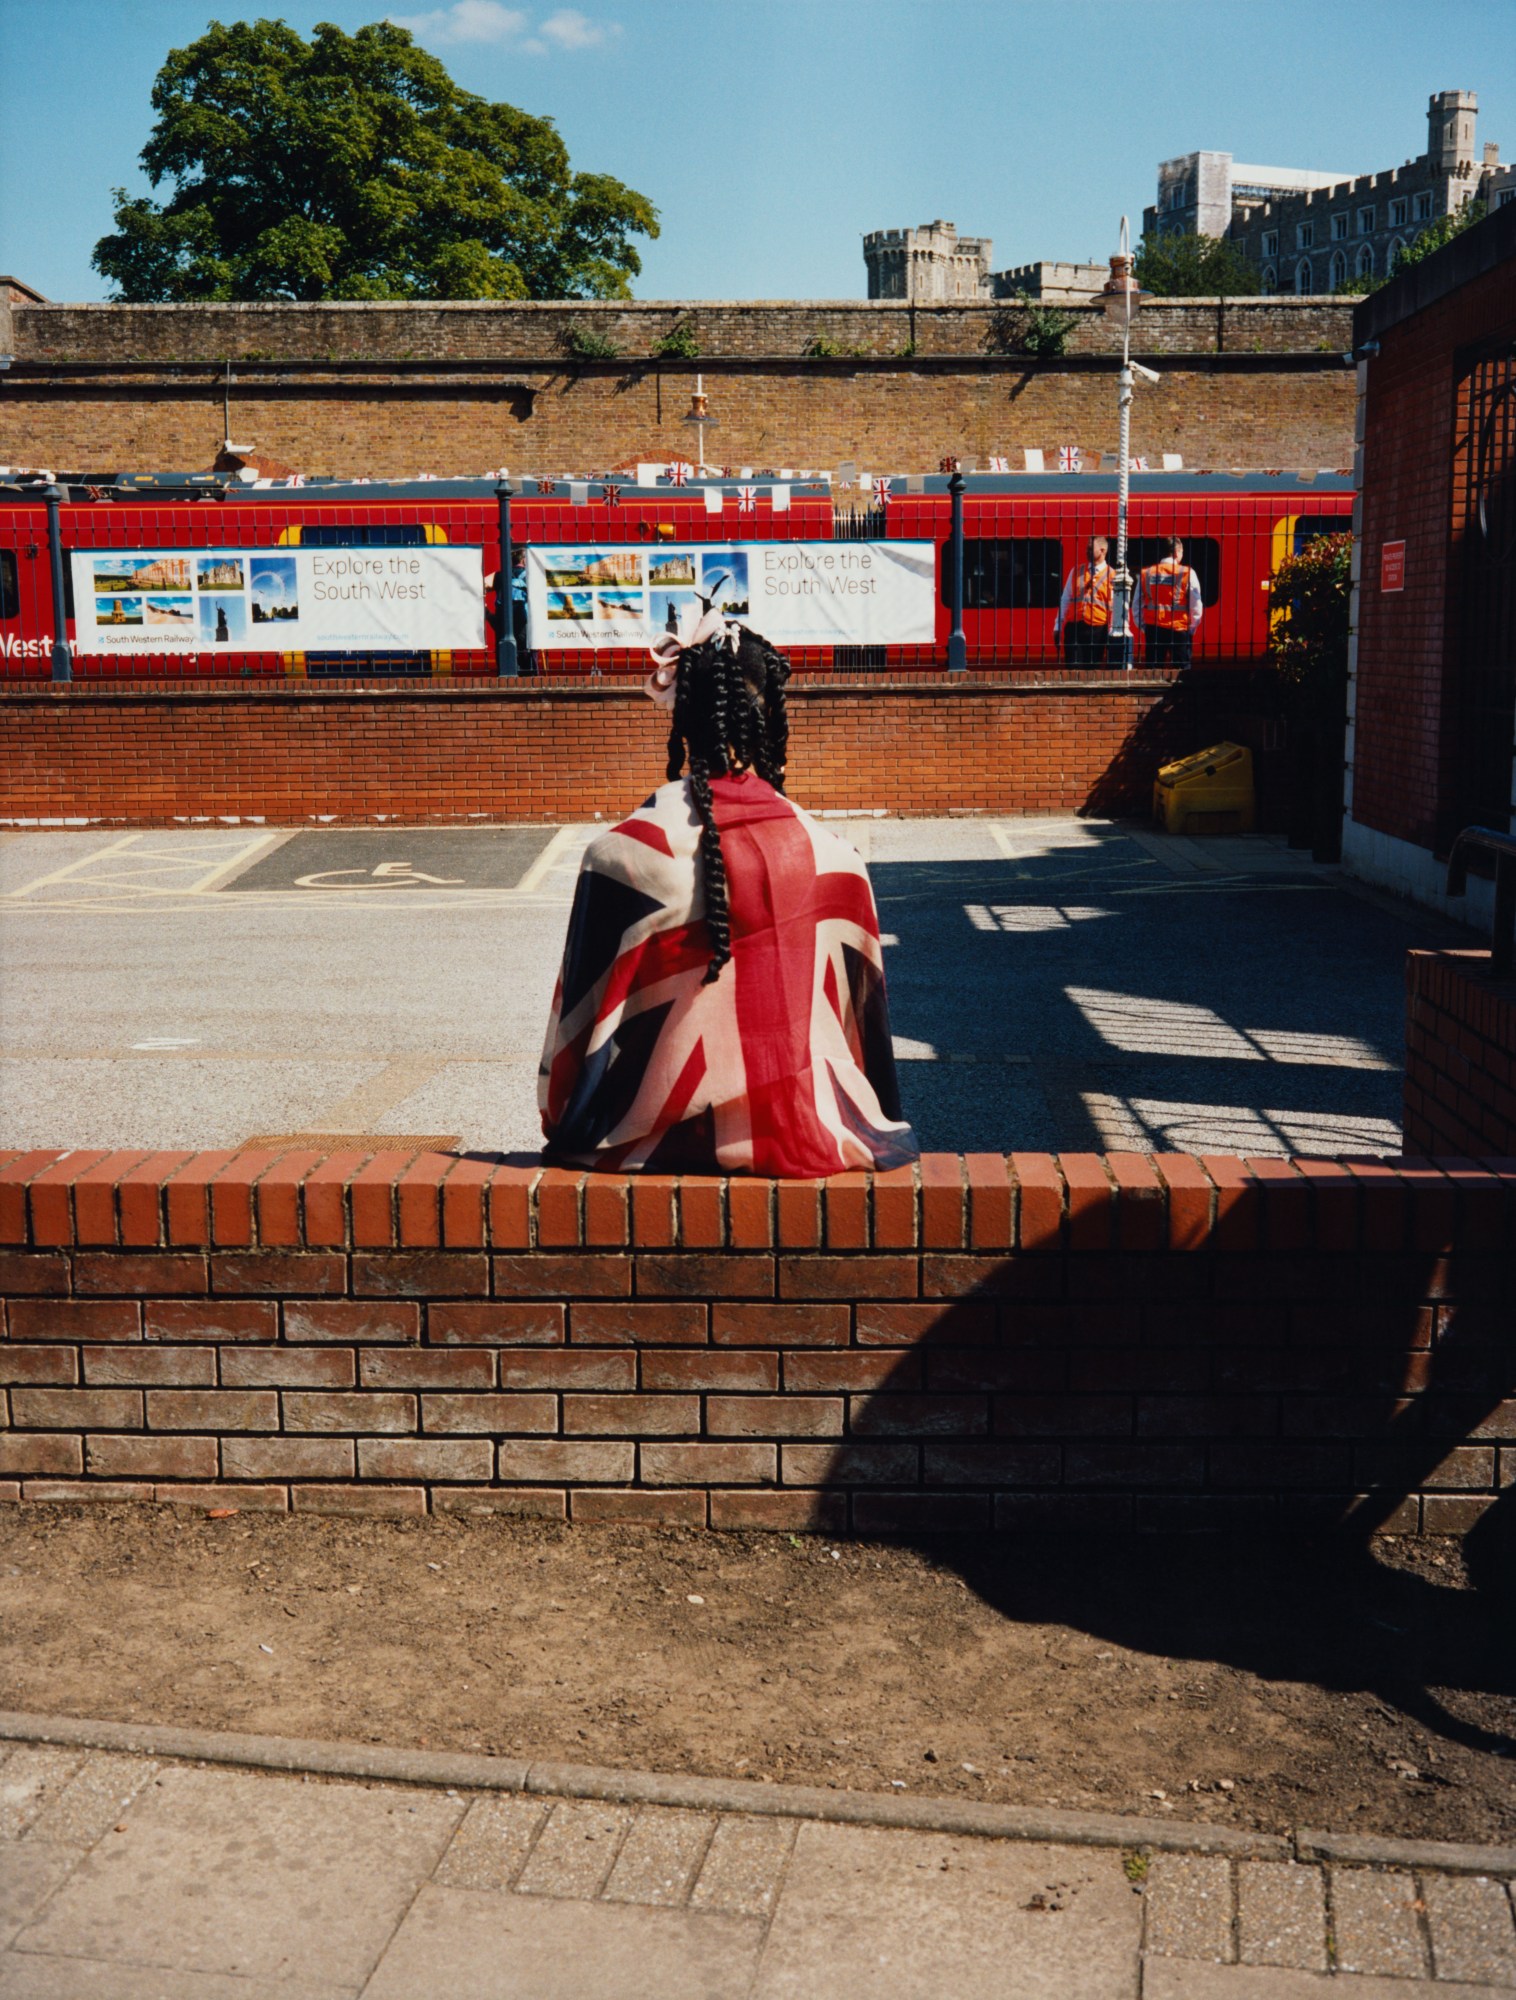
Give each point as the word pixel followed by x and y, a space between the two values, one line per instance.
pixel 10 594
pixel 1311 527
pixel 366 535
pixel 1020 575
pixel 1202 553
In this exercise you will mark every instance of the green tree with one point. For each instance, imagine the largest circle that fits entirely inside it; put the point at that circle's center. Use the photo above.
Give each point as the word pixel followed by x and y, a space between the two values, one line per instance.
pixel 1308 627
pixel 353 167
pixel 1429 241
pixel 1194 267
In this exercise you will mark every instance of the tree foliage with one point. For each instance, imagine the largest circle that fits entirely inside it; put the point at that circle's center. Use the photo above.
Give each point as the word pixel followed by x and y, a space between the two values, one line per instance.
pixel 1308 636
pixel 1194 267
pixel 353 167
pixel 1426 244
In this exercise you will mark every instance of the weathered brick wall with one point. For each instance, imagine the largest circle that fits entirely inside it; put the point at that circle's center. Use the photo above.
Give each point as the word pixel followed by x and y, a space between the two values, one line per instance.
pixel 462 330
pixel 1415 428
pixel 772 414
pixel 1028 1342
pixel 290 753
pixel 387 391
pixel 1460 1067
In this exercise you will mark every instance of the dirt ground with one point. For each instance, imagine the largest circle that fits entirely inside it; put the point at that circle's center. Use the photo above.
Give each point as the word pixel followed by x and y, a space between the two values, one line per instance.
pixel 1258 1687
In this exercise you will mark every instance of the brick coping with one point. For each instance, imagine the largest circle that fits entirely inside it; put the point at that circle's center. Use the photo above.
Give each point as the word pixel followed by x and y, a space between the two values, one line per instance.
pixel 930 681
pixel 288 1199
pixel 476 1772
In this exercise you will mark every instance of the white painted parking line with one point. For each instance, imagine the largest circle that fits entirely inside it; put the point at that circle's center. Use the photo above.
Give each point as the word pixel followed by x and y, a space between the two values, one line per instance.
pixel 74 867
pixel 546 860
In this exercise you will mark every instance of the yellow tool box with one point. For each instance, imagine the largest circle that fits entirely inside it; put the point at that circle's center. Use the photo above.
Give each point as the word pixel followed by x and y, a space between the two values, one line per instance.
pixel 1210 792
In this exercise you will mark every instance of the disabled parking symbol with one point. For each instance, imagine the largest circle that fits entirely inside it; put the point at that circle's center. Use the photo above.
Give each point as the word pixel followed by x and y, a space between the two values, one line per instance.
pixel 387 875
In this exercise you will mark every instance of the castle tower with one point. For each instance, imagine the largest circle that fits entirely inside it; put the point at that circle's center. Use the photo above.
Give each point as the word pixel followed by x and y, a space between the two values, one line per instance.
pixel 930 263
pixel 1450 130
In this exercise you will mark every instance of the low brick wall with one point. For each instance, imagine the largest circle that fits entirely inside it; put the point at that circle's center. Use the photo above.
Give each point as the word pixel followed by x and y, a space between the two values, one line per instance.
pixel 1024 1342
pixel 289 753
pixel 1460 1068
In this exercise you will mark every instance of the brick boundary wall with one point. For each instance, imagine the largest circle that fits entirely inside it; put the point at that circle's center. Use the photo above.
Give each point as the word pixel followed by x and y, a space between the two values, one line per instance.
pixel 1460 1073
pixel 1022 1342
pixel 289 753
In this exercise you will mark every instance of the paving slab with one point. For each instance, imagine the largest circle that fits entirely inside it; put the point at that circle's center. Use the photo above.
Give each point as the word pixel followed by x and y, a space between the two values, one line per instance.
pixel 1281 1915
pixel 29 1873
pixel 876 1914
pixel 269 1878
pixel 470 1945
pixel 33 1777
pixel 659 1857
pixel 1188 1899
pixel 92 1800
pixel 490 1848
pixel 744 1866
pixel 1470 1921
pixel 576 1850
pixel 1375 1922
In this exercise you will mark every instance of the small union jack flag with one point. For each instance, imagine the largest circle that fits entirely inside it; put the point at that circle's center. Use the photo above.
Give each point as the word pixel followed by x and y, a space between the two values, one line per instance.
pixel 1137 464
pixel 1070 458
pixel 547 486
pixel 295 479
pixel 1000 465
pixel 747 499
pixel 679 473
pixel 947 465
pixel 611 495
pixel 881 488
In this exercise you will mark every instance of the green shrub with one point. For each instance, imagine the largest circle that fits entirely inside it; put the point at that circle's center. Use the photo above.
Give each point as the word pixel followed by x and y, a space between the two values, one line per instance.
pixel 1026 327
pixel 1308 624
pixel 585 344
pixel 678 344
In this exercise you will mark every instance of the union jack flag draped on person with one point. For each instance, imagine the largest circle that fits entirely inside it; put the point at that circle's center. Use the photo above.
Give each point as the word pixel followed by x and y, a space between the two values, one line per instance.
pixel 1070 458
pixel 747 499
pixel 784 1064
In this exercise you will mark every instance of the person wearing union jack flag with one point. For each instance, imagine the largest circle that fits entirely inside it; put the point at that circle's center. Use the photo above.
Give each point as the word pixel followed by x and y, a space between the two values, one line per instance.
pixel 721 1003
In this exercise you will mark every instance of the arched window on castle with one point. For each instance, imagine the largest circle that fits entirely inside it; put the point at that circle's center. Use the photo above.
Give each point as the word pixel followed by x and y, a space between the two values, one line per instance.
pixel 1270 278
pixel 1339 276
pixel 1365 267
pixel 1396 252
pixel 1303 277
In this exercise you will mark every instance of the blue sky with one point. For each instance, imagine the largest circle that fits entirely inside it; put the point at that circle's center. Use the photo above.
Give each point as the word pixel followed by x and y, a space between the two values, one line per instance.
pixel 772 134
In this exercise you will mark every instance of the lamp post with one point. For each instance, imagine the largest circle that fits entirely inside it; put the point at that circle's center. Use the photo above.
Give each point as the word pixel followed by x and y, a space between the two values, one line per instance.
pixel 1121 296
pixel 958 651
pixel 507 662
pixel 62 653
pixel 700 416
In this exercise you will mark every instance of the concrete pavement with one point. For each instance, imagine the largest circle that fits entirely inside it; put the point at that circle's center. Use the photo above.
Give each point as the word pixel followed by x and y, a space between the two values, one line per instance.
pixel 131 1877
pixel 1055 984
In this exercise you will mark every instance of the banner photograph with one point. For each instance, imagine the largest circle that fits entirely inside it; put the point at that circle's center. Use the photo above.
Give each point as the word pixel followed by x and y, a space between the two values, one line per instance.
pixel 278 600
pixel 794 593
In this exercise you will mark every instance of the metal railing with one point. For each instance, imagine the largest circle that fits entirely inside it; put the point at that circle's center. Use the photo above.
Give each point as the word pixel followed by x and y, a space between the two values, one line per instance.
pixel 1503 930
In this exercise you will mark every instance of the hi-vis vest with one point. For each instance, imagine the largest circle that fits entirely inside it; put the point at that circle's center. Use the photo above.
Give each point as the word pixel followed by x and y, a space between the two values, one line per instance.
pixel 1166 595
pixel 1092 595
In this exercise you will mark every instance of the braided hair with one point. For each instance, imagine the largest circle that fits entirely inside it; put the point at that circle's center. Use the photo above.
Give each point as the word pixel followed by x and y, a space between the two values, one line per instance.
pixel 729 711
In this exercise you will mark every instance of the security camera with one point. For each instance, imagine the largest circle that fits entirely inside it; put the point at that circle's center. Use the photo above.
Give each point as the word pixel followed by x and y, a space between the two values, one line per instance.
pixel 1147 374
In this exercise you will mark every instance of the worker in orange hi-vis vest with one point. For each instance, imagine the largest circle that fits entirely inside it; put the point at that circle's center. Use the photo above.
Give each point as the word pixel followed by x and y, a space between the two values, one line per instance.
pixel 1084 610
pixel 1169 607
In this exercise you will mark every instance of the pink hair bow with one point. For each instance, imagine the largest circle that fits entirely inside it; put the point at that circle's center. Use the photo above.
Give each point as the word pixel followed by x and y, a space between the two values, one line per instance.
pixel 667 647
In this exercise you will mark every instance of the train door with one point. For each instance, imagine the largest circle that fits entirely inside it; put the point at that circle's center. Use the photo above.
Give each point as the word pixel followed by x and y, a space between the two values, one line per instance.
pixel 365 535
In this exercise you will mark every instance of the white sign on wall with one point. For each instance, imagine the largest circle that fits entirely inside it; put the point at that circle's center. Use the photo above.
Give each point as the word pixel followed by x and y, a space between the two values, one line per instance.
pixel 794 593
pixel 289 600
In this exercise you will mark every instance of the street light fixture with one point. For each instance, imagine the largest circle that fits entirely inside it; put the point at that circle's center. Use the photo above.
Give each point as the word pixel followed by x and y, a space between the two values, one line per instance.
pixel 1120 297
pixel 699 415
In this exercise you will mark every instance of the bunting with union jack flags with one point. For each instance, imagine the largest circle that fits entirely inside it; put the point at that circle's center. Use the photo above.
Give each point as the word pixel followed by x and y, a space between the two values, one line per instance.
pixel 1000 465
pixel 679 472
pixel 1070 458
pixel 747 499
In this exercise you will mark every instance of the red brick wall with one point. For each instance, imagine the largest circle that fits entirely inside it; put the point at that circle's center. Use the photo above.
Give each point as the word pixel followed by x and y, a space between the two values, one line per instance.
pixel 1026 1342
pixel 1415 422
pixel 286 754
pixel 1460 1068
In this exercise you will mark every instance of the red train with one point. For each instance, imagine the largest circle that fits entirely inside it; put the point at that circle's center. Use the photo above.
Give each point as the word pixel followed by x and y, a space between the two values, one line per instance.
pixel 1022 535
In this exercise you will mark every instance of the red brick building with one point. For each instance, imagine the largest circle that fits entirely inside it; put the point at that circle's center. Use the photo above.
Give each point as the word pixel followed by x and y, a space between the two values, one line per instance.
pixel 1432 697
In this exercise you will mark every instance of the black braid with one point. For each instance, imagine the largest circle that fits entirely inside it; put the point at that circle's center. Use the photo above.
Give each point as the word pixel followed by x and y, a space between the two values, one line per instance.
pixel 728 704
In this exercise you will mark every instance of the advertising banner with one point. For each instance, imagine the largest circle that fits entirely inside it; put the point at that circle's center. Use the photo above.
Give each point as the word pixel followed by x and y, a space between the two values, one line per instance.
pixel 794 593
pixel 278 600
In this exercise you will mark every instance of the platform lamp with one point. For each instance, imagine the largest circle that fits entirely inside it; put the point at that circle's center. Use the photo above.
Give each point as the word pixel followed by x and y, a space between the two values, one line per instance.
pixel 699 415
pixel 507 660
pixel 1121 296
